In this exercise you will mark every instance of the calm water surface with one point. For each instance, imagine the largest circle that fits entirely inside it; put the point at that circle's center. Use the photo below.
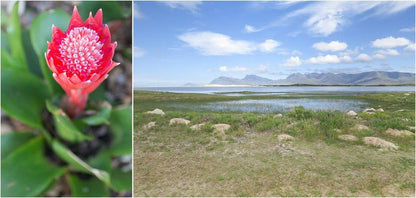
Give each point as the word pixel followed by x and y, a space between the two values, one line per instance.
pixel 281 104
pixel 280 90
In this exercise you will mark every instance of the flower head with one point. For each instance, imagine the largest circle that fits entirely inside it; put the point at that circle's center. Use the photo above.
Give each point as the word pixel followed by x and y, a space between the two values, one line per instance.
pixel 80 58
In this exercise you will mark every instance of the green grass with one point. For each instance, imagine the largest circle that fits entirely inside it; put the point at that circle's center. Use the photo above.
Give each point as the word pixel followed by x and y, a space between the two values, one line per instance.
pixel 250 161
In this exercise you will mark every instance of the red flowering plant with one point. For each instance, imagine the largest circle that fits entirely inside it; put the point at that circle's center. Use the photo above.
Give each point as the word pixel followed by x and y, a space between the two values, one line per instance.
pixel 80 58
pixel 64 119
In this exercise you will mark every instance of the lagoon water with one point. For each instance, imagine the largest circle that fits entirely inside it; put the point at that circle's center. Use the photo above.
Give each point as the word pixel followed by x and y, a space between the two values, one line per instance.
pixel 281 104
pixel 275 105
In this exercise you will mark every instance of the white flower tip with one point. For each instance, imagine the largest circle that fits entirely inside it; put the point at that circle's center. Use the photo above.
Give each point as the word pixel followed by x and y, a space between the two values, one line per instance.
pixel 54 75
pixel 88 81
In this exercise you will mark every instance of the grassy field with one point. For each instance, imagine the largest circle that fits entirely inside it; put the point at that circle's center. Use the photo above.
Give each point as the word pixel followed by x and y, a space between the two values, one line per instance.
pixel 250 160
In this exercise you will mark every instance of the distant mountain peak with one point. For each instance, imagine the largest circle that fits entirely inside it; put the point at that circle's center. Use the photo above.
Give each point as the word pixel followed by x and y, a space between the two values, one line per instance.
pixel 364 78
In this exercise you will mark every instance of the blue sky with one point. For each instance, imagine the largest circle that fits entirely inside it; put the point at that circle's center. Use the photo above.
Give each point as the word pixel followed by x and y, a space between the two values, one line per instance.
pixel 180 42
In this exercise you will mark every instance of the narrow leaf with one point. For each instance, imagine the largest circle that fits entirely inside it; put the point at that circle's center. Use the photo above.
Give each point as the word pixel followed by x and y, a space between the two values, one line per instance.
pixel 77 163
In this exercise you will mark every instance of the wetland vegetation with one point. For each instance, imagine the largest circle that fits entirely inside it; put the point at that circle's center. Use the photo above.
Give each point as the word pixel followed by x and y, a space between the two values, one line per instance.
pixel 255 157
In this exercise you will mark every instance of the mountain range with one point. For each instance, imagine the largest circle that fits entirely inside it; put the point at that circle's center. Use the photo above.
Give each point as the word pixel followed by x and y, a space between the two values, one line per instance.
pixel 364 78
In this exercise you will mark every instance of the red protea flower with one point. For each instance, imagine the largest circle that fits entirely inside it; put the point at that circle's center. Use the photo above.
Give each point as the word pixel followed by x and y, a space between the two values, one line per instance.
pixel 80 58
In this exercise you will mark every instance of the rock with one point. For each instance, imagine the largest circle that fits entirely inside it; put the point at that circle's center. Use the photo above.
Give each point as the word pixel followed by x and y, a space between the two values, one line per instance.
pixel 378 142
pixel 360 127
pixel 347 137
pixel 351 113
pixel 277 116
pixel 179 121
pixel 380 110
pixel 338 130
pixel 369 110
pixel 405 120
pixel 285 137
pixel 396 132
pixel 156 111
pixel 407 94
pixel 149 125
pixel 197 127
pixel 412 127
pixel 221 127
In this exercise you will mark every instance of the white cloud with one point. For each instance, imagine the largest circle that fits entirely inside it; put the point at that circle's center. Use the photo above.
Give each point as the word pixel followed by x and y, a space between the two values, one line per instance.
pixel 210 43
pixel 331 46
pixel 390 42
pixel 137 13
pixel 325 18
pixel 293 61
pixel 410 29
pixel 388 52
pixel 363 58
pixel 138 51
pixel 325 59
pixel 191 6
pixel 410 47
pixel 345 59
pixel 268 45
pixel 379 56
pixel 296 52
pixel 232 69
pixel 250 29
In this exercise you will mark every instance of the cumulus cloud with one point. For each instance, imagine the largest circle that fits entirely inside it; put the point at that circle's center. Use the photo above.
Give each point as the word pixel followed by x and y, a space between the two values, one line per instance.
pixel 325 59
pixel 345 59
pixel 379 56
pixel 293 61
pixel 268 45
pixel 191 6
pixel 390 42
pixel 331 46
pixel 388 52
pixel 363 58
pixel 410 47
pixel 215 44
pixel 232 69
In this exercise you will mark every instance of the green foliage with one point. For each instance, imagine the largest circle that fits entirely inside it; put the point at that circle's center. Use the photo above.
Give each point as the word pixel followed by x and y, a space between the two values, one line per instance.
pixel 11 141
pixel 28 92
pixel 300 113
pixel 207 128
pixel 26 171
pixel 91 187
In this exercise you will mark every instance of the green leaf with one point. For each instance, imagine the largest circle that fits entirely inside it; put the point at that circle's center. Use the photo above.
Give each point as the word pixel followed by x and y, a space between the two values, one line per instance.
pixel 40 33
pixel 14 36
pixel 7 61
pixel 87 188
pixel 26 171
pixel 77 163
pixel 121 180
pixel 11 141
pixel 121 128
pixel 99 118
pixel 23 96
pixel 64 126
pixel 101 161
pixel 111 9
pixel 31 57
